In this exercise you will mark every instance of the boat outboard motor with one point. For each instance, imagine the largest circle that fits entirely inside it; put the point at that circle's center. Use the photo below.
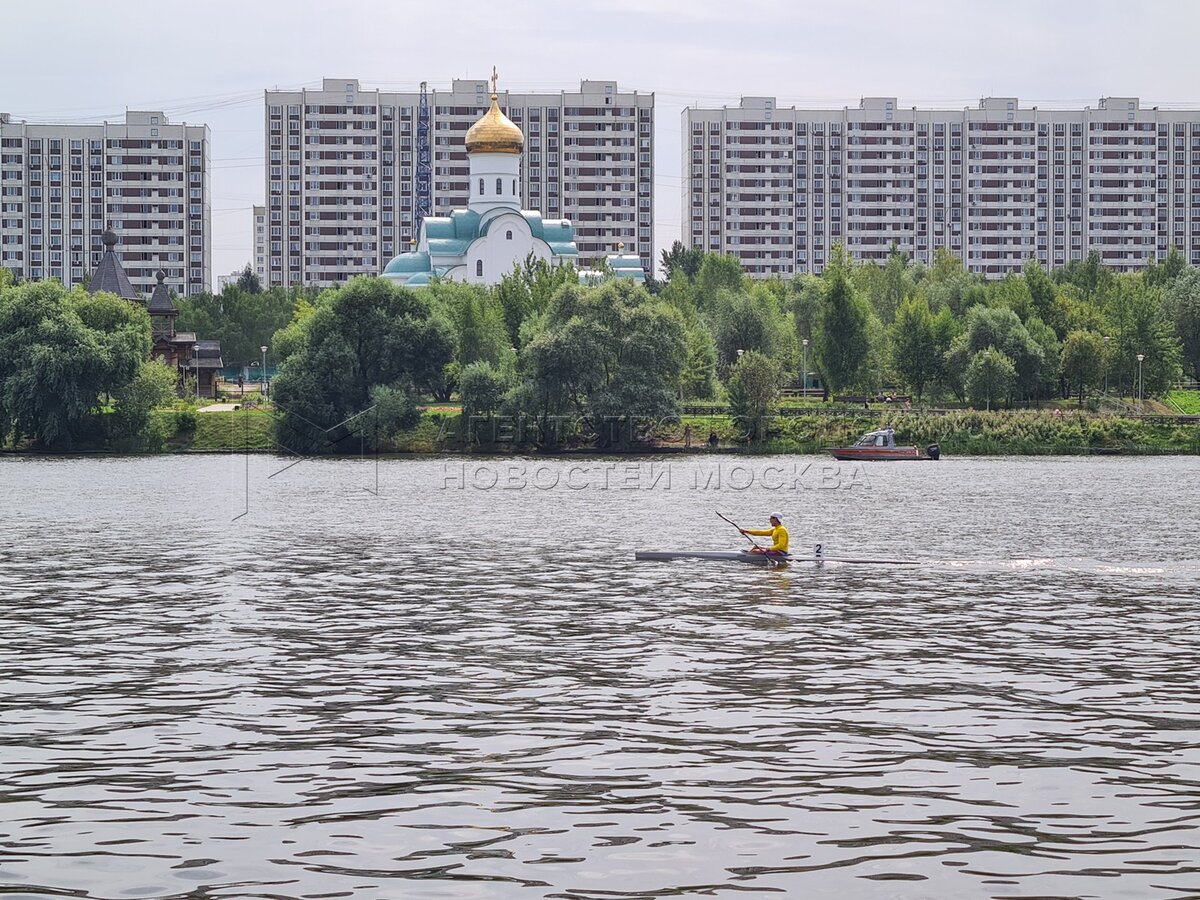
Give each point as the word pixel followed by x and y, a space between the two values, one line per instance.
pixel 934 451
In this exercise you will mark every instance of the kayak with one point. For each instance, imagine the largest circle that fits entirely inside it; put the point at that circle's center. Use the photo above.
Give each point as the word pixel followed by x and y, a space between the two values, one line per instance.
pixel 746 556
pixel 729 555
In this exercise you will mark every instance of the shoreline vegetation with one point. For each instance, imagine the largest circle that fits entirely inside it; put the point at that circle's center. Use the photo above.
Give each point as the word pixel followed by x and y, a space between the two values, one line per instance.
pixel 1081 359
pixel 958 432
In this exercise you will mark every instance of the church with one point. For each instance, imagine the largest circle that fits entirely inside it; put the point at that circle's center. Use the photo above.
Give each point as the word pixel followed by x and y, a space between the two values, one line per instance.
pixel 484 242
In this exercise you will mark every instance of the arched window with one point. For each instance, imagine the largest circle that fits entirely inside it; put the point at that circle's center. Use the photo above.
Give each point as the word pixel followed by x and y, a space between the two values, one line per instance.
pixel 508 235
pixel 480 187
pixel 499 186
pixel 479 268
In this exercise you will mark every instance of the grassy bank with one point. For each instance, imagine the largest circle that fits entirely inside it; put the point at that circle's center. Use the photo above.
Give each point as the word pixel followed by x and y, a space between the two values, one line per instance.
pixel 958 433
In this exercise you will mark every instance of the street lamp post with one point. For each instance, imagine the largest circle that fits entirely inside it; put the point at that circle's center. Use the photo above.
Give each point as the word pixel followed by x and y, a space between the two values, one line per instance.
pixel 1140 357
pixel 196 366
pixel 804 366
pixel 264 370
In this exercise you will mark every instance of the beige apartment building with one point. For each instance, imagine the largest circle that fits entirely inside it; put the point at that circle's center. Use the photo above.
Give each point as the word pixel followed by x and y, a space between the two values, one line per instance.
pixel 145 178
pixel 350 172
pixel 996 185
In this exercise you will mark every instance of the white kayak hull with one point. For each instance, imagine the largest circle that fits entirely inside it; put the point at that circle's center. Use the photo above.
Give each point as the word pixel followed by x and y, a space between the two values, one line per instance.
pixel 761 558
pixel 725 555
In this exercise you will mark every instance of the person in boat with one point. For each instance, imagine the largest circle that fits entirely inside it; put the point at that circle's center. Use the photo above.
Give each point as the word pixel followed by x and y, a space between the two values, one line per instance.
pixel 777 533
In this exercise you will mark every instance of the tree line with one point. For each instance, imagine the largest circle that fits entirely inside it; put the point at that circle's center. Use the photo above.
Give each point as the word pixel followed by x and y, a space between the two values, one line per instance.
pixel 541 346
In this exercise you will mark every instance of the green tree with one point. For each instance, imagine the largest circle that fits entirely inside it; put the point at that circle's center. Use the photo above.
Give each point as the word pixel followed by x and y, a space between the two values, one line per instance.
pixel 481 388
pixel 243 322
pixel 1083 361
pixel 990 377
pixel 59 353
pixel 718 275
pixel 741 321
pixel 611 353
pixel 1161 272
pixel 248 282
pixel 699 377
pixel 753 394
pixel 841 343
pixel 6 278
pixel 291 337
pixel 151 388
pixel 1181 298
pixel 478 319
pixel 369 334
pixel 526 292
pixel 1141 324
pixel 916 355
pixel 680 260
pixel 1002 329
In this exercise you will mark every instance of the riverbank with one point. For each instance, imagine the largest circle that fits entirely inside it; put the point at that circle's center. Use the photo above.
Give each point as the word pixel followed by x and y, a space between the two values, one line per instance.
pixel 957 432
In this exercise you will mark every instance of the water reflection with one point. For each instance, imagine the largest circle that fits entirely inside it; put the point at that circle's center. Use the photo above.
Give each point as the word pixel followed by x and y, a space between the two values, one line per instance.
pixel 442 693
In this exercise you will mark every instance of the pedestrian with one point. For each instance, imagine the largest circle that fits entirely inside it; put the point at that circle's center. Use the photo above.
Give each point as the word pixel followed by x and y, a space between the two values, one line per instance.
pixel 687 437
pixel 712 440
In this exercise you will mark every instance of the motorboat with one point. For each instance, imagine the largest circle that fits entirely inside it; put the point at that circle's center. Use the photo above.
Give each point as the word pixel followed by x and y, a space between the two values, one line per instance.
pixel 881 445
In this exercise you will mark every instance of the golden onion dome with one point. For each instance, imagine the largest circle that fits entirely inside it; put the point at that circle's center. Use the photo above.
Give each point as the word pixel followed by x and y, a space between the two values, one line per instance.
pixel 495 132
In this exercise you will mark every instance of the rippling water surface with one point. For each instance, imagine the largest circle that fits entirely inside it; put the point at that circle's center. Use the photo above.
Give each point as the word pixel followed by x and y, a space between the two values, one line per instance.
pixel 385 682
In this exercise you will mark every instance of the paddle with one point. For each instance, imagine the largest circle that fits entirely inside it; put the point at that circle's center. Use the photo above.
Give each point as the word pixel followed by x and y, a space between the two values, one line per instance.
pixel 739 528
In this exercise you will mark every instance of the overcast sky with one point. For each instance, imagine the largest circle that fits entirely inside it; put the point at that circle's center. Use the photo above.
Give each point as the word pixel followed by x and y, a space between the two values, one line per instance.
pixel 70 60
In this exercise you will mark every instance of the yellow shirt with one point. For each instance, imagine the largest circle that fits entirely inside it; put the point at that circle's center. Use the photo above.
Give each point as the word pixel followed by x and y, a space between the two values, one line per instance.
pixel 778 535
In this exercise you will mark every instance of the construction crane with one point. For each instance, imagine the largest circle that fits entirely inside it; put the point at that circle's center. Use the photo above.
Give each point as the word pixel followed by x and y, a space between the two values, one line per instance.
pixel 424 170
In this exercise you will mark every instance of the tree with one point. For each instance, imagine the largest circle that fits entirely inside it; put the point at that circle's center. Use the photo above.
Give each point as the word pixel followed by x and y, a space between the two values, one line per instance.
pixel 59 353
pixel 718 274
pixel 1083 361
pixel 915 352
pixel 478 319
pixel 1142 325
pixel 1043 297
pixel 990 377
pixel 610 353
pixel 753 393
pixel 1182 300
pixel 369 334
pixel 699 377
pixel 527 291
pixel 1161 272
pixel 481 388
pixel 841 343
pixel 243 322
pixel 248 282
pixel 1002 329
pixel 152 387
pixel 290 338
pixel 741 321
pixel 680 260
pixel 6 278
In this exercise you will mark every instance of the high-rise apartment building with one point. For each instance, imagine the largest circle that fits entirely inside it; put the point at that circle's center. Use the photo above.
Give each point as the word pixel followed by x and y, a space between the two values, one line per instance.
pixel 996 185
pixel 259 225
pixel 346 177
pixel 61 185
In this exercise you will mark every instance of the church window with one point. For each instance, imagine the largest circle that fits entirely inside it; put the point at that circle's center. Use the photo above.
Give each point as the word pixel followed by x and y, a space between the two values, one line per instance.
pixel 514 187
pixel 479 268
pixel 499 186
pixel 480 187
pixel 508 235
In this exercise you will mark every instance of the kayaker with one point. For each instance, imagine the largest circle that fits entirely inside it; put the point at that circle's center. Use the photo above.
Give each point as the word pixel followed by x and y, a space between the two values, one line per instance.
pixel 777 533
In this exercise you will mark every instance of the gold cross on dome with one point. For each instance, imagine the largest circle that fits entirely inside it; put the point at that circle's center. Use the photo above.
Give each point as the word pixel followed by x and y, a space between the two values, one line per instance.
pixel 495 78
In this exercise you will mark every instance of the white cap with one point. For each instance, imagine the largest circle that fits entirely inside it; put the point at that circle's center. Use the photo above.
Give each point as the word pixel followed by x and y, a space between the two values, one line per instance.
pixel 777 516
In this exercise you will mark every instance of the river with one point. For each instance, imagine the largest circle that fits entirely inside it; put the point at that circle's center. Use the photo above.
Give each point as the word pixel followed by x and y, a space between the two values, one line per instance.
pixel 223 677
